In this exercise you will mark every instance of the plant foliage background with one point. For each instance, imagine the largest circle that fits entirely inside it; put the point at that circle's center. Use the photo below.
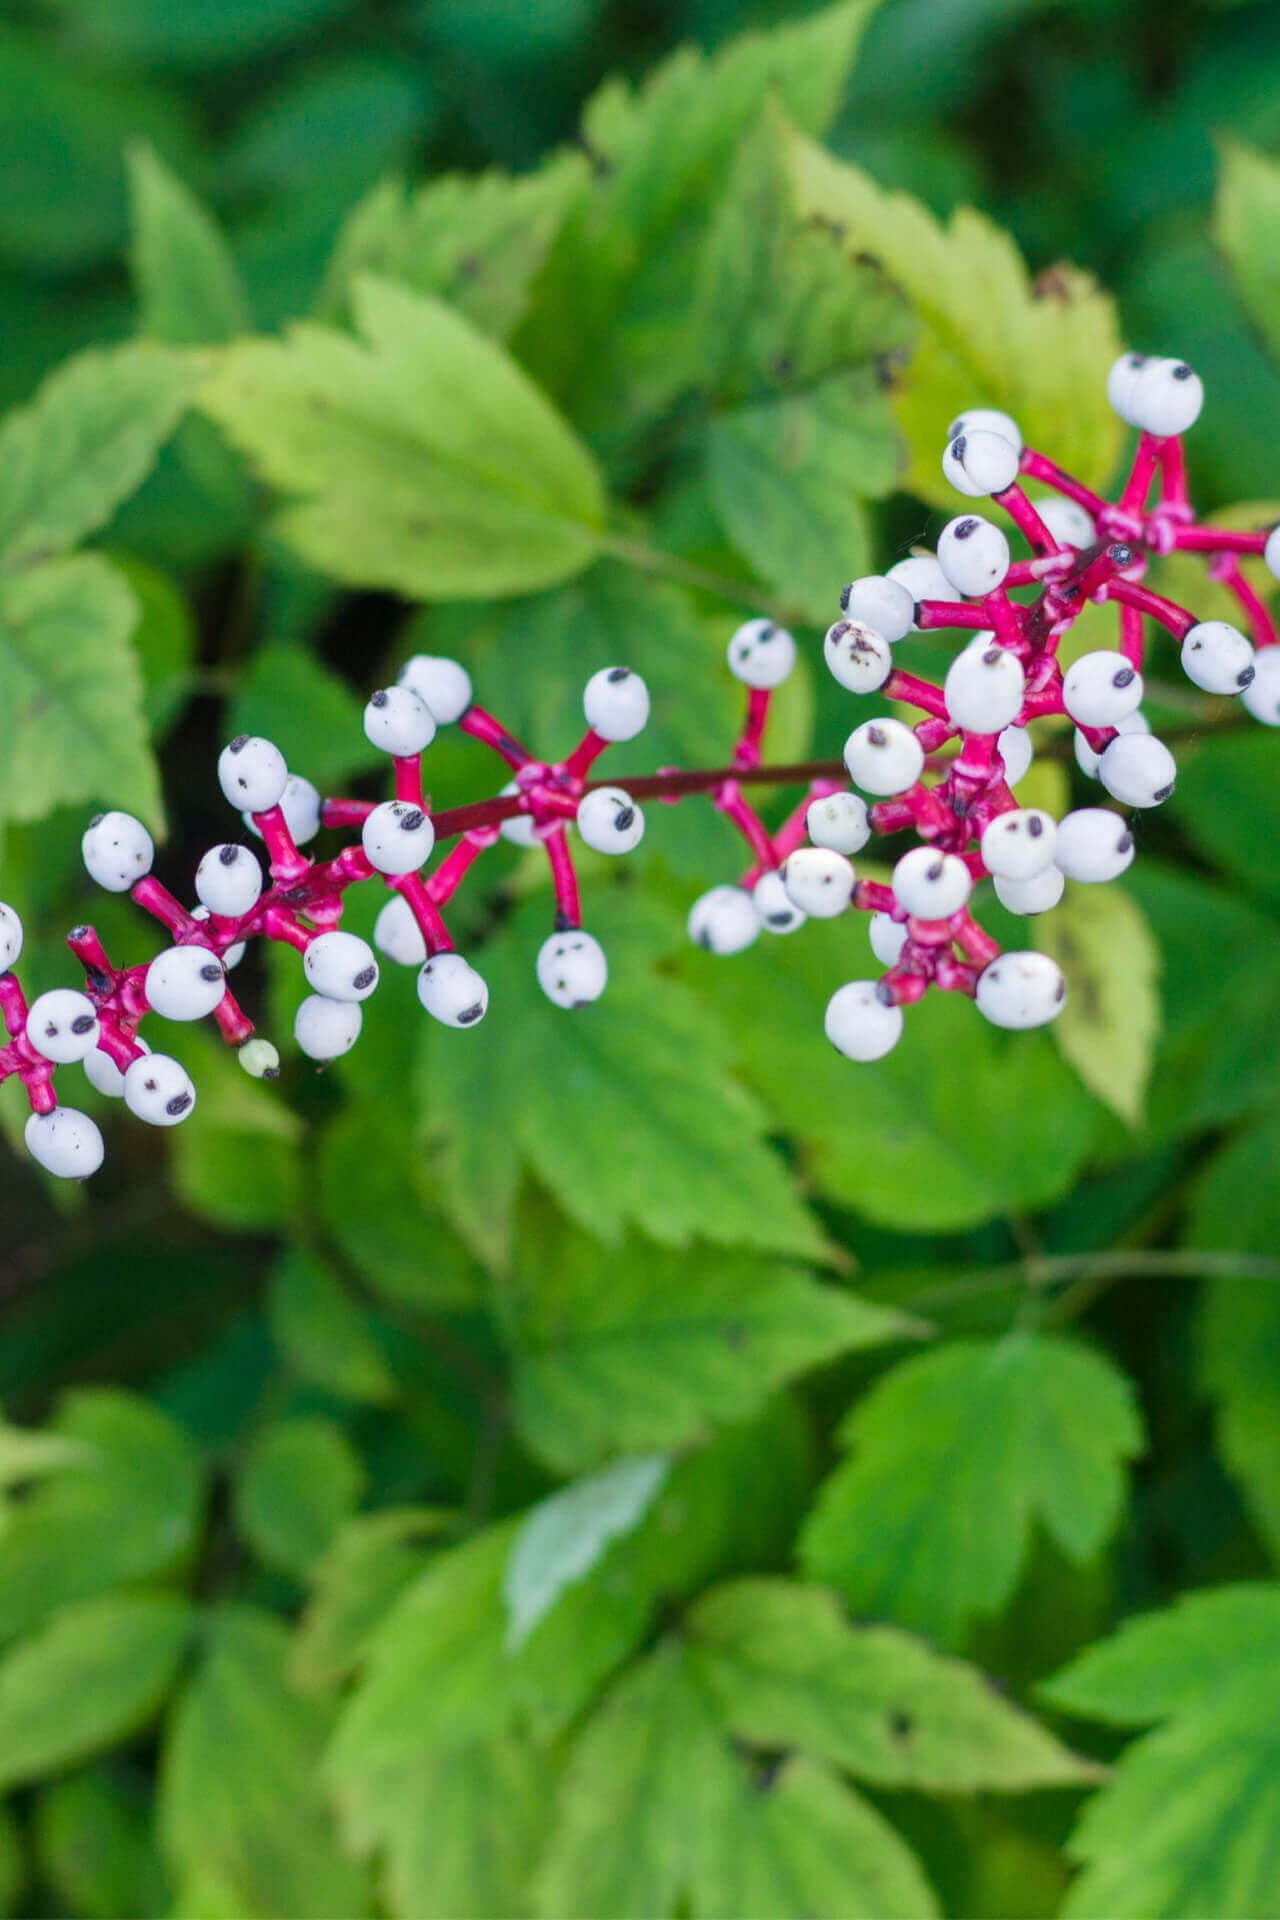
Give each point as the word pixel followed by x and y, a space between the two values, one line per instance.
pixel 634 1465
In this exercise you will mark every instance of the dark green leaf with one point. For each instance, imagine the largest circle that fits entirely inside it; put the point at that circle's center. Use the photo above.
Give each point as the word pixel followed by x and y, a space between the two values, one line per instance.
pixel 185 278
pixel 96 1849
pixel 301 1480
pixel 323 1332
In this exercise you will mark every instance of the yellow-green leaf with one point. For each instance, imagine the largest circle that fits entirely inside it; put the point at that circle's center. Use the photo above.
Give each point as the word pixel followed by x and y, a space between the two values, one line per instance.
pixel 1107 1029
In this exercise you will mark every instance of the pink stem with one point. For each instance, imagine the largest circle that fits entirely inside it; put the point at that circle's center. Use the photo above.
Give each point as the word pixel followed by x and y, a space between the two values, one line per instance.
pixel 730 802
pixel 1028 522
pixel 563 879
pixel 747 752
pixel 345 813
pixel 408 780
pixel 916 692
pixel 1037 467
pixel 1146 459
pixel 1262 630
pixel 1217 540
pixel 1167 612
pixel 483 727
pixel 931 614
pixel 160 903
pixel 445 881
pixel 412 888
pixel 287 864
pixel 585 755
pixel 1131 635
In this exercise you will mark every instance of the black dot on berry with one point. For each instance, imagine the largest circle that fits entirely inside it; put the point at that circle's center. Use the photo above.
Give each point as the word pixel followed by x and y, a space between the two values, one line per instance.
pixel 51 1031
pixel 149 1086
pixel 1162 793
pixel 768 631
pixel 845 593
pixel 991 656
pixel 877 736
pixel 1124 843
pixel 935 871
pixel 884 994
pixel 1245 676
pixel 411 821
pixel 1181 371
pixel 212 972
pixel 562 922
pixel 469 1015
pixel 1061 994
pixel 958 446
pixel 365 978
pixel 82 1023
pixel 239 744
pixel 1122 677
pixel 618 673
pixel 1035 826
pixel 179 1104
pixel 623 820
pixel 379 699
pixel 227 856
pixel 965 529
pixel 778 919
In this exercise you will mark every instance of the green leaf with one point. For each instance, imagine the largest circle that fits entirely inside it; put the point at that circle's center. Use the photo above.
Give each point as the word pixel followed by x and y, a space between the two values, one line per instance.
pixel 990 335
pixel 1107 1030
pixel 130 1512
pixel 313 717
pixel 787 1669
pixel 332 125
pixel 188 287
pixel 188 33
pixel 86 441
pixel 96 1849
pixel 564 1536
pixel 660 1815
pixel 301 1480
pixel 26 1454
pixel 1239 1368
pixel 323 1333
pixel 164 640
pixel 13 1866
pixel 99 1671
pixel 420 458
pixel 1246 226
pixel 955 1455
pixel 238 1164
pixel 1188 1822
pixel 636 1347
pixel 73 693
pixel 1235 1202
pixel 240 1806
pixel 1226 800
pixel 370 1560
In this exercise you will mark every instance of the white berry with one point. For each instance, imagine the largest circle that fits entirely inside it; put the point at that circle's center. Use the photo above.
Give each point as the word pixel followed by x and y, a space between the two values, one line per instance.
pixel 1101 689
pixel 1087 759
pixel 228 881
pixel 1271 552
pixel 888 937
pixel 64 1142
pixel 883 756
pixel 397 837
pixel 259 1059
pixel 882 603
pixel 610 821
pixel 452 991
pixel 984 687
pixel 1021 990
pixel 397 934
pixel 1165 398
pixel 325 1029
pixel 857 656
pixel 1122 384
pixel 1261 698
pixel 923 579
pixel 860 1024
pixel 777 910
pixel 761 654
pixel 930 885
pixel 979 462
pixel 571 968
pixel 973 554
pixel 1070 524
pixel 300 805
pixel 987 420
pixel 1019 844
pixel 185 983
pixel 1014 747
pixel 252 773
pixel 1217 657
pixel 616 704
pixel 444 686
pixel 158 1089
pixel 340 966
pixel 1094 844
pixel 838 821
pixel 10 936
pixel 1037 895
pixel 63 1025
pixel 1138 770
pixel 723 920
pixel 818 881
pixel 398 722
pixel 117 851
pixel 102 1073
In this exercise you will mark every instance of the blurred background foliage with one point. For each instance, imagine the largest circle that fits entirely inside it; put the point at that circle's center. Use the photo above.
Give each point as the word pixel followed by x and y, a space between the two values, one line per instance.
pixel 276 1640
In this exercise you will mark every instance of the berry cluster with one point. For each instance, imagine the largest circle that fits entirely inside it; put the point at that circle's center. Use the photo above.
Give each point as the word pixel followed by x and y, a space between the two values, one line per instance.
pixel 949 779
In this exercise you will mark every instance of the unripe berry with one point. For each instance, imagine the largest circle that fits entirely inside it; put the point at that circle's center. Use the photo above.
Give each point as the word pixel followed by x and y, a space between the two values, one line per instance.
pixel 1101 689
pixel 1165 398
pixel 973 554
pixel 923 579
pixel 63 1025
pixel 443 686
pixel 881 603
pixel 859 1024
pixel 452 991
pixel 235 953
pixel 818 881
pixel 761 654
pixel 930 885
pixel 984 687
pixel 1271 552
pixel 10 936
pixel 883 756
pixel 987 420
pixel 1217 657
pixel 1094 844
pixel 1021 990
pixel 340 966
pixel 724 920
pixel 838 821
pixel 252 773
pixel 102 1073
pixel 117 851
pixel 610 821
pixel 616 704
pixel 228 881
pixel 157 1089
pixel 1070 524
pixel 259 1059
pixel 888 937
pixel 325 1029
pixel 1087 759
pixel 300 805
pixel 397 837
pixel 1039 894
pixel 1261 698
pixel 521 829
pixel 397 722
pixel 777 910
pixel 1014 747
pixel 397 934
pixel 979 462
pixel 857 656
pixel 1138 770
pixel 64 1142
pixel 571 968
pixel 185 983
pixel 1020 844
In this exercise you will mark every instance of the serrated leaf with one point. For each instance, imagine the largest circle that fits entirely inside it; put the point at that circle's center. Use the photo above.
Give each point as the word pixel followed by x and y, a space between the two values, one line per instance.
pixel 96 1673
pixel 1108 1028
pixel 634 1347
pixel 368 1563
pixel 96 1849
pixel 323 1333
pixel 73 693
pixel 240 1805
pixel 563 1537
pixel 418 458
pixel 300 1481
pixel 990 335
pixel 83 445
pixel 787 1669
pixel 1246 226
pixel 1238 1363
pixel 185 277
pixel 955 1455
pixel 129 1512
pixel 660 1814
